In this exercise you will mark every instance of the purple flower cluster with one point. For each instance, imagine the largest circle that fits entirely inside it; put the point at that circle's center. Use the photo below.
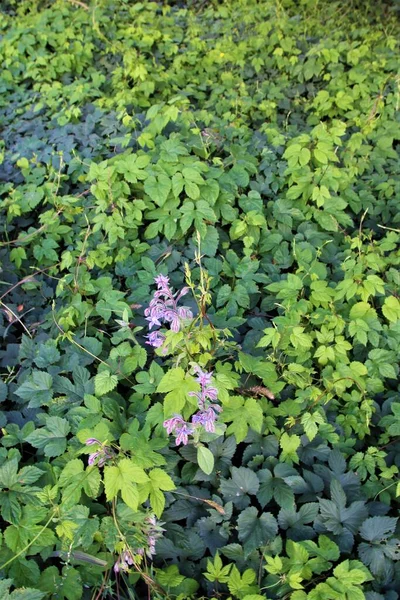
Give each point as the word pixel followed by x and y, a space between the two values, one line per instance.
pixel 123 562
pixel 153 531
pixel 101 456
pixel 163 308
pixel 205 417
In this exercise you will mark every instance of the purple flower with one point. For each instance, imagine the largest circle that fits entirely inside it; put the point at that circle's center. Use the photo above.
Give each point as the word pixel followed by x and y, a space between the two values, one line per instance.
pixel 183 434
pixel 155 339
pixel 93 457
pixel 207 418
pixel 181 293
pixel 92 441
pixel 163 306
pixel 123 563
pixel 101 456
pixel 173 423
pixel 154 532
pixel 206 393
pixel 181 429
pixel 151 540
pixel 162 281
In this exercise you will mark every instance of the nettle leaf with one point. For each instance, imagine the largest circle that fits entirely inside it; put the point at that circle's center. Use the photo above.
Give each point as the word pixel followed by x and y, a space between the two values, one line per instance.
pixel 52 438
pixel 26 593
pixel 29 529
pixel 379 558
pixel 66 585
pixel 338 518
pixel 383 549
pixel 254 530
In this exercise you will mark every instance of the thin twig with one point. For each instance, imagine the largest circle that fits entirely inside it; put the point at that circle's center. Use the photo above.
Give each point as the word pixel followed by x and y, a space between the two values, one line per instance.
pixel 16 317
pixel 78 3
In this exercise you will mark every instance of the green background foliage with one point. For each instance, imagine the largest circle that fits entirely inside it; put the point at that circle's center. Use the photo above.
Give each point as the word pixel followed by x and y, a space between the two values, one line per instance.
pixel 271 130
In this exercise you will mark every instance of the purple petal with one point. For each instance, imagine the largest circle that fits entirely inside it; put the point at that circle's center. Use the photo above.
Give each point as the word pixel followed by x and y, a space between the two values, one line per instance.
pixel 162 281
pixel 92 441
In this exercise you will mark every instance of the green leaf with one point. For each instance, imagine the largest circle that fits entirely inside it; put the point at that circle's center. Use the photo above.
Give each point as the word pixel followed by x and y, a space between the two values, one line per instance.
pixel 124 478
pixel 74 480
pixel 192 190
pixel 300 340
pixel 37 390
pixel 158 482
pixel 243 481
pixel 52 438
pixel 205 460
pixel 271 337
pixel 242 414
pixel 391 309
pixel 326 548
pixel 177 384
pixel 105 382
pixel 359 310
pixel 289 445
pixel 304 156
pixel 348 575
pixel 310 423
pixel 158 188
pixel 255 531
pixel 376 529
pixel 161 479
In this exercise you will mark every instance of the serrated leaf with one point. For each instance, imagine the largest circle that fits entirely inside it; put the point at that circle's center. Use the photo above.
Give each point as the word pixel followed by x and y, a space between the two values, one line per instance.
pixel 124 477
pixel 256 531
pixel 310 423
pixel 391 309
pixel 376 529
pixel 105 382
pixel 37 390
pixel 158 188
pixel 52 438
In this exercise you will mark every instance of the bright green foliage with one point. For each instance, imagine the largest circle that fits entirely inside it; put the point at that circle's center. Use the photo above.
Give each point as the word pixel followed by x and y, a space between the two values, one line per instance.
pixel 250 151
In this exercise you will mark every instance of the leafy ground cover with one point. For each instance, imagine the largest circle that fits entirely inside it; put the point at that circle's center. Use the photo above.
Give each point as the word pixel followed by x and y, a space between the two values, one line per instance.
pixel 199 307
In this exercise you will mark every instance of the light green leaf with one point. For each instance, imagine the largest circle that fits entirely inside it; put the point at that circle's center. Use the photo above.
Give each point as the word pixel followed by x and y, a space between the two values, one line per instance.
pixel 104 382
pixel 391 309
pixel 158 188
pixel 310 423
pixel 205 460
pixel 289 445
pixel 124 477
